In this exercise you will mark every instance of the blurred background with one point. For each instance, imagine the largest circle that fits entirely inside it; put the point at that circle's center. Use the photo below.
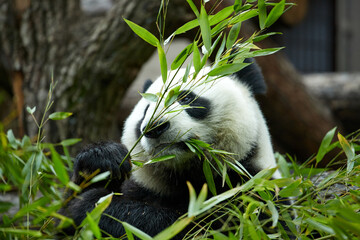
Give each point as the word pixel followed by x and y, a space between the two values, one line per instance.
pixel 100 65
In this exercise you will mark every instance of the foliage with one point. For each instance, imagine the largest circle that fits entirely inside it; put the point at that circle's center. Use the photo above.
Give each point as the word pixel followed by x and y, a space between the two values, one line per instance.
pixel 326 203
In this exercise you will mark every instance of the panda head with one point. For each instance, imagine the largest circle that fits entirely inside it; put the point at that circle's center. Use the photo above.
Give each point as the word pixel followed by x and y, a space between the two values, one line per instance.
pixel 221 112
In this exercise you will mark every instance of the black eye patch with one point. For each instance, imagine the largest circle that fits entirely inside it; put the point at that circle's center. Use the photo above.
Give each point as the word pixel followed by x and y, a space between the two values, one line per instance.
pixel 199 106
pixel 138 125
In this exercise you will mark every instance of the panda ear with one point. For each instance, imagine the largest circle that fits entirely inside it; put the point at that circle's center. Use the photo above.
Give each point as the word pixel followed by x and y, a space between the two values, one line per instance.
pixel 147 84
pixel 252 77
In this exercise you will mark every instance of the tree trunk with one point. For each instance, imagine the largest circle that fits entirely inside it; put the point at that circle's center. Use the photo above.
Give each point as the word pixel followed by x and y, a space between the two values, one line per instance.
pixel 341 92
pixel 92 59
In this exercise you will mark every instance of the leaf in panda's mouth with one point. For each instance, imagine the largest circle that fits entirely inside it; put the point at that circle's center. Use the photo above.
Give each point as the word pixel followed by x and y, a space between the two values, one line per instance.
pixel 160 159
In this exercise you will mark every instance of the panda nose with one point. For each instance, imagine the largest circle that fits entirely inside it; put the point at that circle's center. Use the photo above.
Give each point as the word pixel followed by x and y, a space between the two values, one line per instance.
pixel 157 129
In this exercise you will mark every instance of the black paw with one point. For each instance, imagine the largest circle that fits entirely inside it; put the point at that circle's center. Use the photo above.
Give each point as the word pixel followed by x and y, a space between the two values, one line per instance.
pixel 102 157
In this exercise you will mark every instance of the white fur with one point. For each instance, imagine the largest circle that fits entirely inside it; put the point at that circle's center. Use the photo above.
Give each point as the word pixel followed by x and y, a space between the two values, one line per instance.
pixel 235 124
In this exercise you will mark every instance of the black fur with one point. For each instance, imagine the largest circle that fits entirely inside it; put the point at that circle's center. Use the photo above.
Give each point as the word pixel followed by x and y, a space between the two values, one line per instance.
pixel 137 205
pixel 252 77
pixel 200 107
pixel 147 84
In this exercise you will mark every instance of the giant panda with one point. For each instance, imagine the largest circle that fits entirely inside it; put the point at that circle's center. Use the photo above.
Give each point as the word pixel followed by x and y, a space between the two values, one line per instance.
pixel 221 112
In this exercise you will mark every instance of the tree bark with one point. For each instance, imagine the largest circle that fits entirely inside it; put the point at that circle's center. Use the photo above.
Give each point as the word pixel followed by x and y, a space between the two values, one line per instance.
pixel 92 59
pixel 341 92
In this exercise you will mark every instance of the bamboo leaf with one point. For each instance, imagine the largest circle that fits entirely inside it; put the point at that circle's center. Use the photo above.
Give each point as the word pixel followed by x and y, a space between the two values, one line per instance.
pixel 205 28
pixel 131 230
pixel 100 177
pixel 70 141
pixel 196 58
pixel 163 62
pixel 180 59
pixel 264 52
pixel 150 97
pixel 233 35
pixel 324 146
pixel 24 232
pixel 227 69
pixel 160 159
pixel 264 36
pixel 275 13
pixel 244 16
pixel 31 110
pixel 187 71
pixel 209 176
pixel 174 229
pixel 172 96
pixel 59 167
pixel 349 152
pixel 262 13
pixel 143 33
pixel 93 225
pixel 59 115
pixel 193 7
pixel 274 213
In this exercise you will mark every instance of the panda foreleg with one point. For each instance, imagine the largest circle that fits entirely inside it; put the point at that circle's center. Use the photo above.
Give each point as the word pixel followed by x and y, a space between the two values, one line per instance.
pixel 101 157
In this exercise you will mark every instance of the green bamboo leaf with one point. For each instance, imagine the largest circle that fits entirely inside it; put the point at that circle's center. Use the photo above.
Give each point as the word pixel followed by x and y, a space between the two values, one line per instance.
pixel 213 19
pixel 180 59
pixel 262 13
pixel 59 167
pixel 220 50
pixel 143 33
pixel 275 13
pixel 283 165
pixel 160 159
pixel 209 177
pixel 70 141
pixel 187 71
pixel 100 177
pixel 102 204
pixel 264 36
pixel 201 198
pixel 325 143
pixel 233 35
pixel 163 62
pixel 193 7
pixel 274 213
pixel 150 97
pixel 319 226
pixel 264 52
pixel 186 27
pixel 227 69
pixel 196 58
pixel 59 115
pixel 192 200
pixel 23 232
pixel 172 96
pixel 174 229
pixel 31 110
pixel 93 225
pixel 237 5
pixel 349 152
pixel 243 16
pixel 292 190
pixel 220 16
pixel 131 230
pixel 205 28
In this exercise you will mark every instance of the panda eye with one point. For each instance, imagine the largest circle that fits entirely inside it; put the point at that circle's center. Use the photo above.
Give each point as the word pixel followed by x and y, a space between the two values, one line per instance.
pixel 185 98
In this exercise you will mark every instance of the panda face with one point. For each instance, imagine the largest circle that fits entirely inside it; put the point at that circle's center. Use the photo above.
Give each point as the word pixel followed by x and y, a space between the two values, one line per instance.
pixel 222 113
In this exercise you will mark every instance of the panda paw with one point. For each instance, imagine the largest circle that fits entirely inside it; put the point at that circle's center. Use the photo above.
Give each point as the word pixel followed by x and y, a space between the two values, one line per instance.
pixel 102 157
